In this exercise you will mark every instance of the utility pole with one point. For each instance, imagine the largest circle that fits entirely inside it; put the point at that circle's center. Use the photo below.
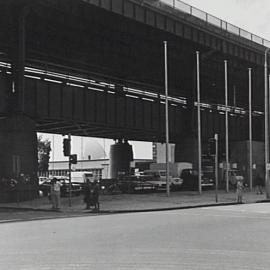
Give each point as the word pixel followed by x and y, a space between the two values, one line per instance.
pixel 226 125
pixel 69 172
pixel 216 165
pixel 166 119
pixel 266 131
pixel 250 129
pixel 199 123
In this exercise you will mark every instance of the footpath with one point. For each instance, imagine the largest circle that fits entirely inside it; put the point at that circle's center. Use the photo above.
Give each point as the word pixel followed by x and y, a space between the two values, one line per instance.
pixel 40 208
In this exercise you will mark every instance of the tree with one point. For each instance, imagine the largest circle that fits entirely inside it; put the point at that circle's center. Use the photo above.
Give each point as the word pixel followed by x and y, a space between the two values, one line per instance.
pixel 44 149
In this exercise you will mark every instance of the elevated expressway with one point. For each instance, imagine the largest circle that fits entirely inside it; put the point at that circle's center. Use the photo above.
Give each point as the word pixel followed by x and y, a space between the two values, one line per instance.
pixel 96 68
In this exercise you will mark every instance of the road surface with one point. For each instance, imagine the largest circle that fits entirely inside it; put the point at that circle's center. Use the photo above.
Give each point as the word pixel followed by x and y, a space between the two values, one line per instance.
pixel 227 237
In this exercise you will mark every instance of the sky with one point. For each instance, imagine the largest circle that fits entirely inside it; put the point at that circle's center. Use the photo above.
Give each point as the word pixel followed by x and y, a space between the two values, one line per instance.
pixel 250 15
pixel 84 146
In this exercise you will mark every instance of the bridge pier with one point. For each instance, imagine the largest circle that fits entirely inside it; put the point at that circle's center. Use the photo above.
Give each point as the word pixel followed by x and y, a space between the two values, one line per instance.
pixel 18 158
pixel 187 151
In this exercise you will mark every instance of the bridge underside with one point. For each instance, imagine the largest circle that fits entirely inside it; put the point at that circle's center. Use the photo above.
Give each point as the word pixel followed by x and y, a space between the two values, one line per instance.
pixel 120 43
pixel 96 68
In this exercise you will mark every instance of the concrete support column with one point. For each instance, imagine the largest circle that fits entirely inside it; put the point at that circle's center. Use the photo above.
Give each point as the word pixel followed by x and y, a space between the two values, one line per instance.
pixel 18 54
pixel 187 150
pixel 18 155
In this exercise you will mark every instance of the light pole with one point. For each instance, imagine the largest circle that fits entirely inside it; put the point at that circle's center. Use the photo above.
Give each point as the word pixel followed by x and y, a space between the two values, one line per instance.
pixel 166 119
pixel 69 172
pixel 199 123
pixel 250 128
pixel 266 119
pixel 216 165
pixel 226 125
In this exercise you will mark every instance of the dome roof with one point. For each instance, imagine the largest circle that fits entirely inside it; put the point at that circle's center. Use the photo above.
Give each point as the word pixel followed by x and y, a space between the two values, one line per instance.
pixel 93 149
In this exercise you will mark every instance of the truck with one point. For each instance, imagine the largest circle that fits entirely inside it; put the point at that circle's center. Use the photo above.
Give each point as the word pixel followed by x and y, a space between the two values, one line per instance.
pixel 158 170
pixel 175 169
pixel 81 177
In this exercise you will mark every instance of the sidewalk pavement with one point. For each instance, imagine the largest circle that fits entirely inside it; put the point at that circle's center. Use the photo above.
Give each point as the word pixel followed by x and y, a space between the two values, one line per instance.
pixel 136 202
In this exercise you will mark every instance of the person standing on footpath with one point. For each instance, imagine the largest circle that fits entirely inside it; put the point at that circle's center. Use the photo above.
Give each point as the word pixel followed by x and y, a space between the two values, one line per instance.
pixel 259 183
pixel 55 194
pixel 239 190
pixel 87 194
pixel 96 195
pixel 91 195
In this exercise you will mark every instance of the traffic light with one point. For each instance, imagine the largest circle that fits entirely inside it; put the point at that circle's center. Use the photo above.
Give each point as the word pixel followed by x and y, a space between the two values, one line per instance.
pixel 66 147
pixel 73 159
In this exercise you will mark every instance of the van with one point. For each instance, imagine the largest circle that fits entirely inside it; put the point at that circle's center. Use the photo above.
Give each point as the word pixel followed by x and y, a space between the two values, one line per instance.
pixel 81 177
pixel 156 177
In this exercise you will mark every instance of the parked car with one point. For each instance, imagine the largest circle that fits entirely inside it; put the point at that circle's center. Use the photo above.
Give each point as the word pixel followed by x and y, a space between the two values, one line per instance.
pixel 158 179
pixel 176 183
pixel 42 179
pixel 76 189
pixel 109 186
pixel 134 184
pixel 190 180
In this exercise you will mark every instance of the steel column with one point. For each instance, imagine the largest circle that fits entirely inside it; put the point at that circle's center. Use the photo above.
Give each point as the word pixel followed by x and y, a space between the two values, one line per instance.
pixel 250 128
pixel 166 119
pixel 226 125
pixel 266 119
pixel 199 123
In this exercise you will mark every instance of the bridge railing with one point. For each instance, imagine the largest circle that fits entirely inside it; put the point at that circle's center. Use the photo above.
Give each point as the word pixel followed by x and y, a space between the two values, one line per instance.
pixel 210 19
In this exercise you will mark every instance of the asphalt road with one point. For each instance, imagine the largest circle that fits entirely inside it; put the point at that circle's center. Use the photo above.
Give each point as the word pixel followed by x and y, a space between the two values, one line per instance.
pixel 228 237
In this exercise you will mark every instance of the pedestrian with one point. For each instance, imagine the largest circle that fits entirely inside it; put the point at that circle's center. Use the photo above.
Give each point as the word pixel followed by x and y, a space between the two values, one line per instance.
pixel 55 194
pixel 91 195
pixel 87 193
pixel 96 195
pixel 239 190
pixel 259 184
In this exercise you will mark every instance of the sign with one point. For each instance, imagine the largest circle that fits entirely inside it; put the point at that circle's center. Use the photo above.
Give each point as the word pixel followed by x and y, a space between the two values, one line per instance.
pixel 268 166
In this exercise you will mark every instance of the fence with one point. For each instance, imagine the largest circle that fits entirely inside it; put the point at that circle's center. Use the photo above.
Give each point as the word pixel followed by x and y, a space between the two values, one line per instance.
pixel 210 19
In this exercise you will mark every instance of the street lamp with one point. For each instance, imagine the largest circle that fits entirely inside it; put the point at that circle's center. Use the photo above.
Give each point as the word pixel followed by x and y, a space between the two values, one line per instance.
pixel 250 126
pixel 166 118
pixel 266 146
pixel 199 123
pixel 226 124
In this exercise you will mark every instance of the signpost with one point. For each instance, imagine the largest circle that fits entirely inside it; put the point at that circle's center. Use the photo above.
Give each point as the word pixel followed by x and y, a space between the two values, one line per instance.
pixel 72 159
